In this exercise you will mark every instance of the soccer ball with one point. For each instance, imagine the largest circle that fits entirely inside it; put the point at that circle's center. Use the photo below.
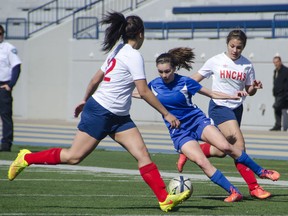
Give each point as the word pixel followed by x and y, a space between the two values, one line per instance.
pixel 180 184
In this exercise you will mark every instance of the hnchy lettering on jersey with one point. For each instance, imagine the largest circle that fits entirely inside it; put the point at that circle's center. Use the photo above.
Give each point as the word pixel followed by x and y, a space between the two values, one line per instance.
pixel 235 75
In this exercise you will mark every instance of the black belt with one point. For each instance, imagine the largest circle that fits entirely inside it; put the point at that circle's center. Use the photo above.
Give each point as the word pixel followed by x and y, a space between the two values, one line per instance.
pixel 3 83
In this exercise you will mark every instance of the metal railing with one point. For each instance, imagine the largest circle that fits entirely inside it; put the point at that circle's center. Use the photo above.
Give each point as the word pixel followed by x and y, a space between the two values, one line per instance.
pixel 16 28
pixel 86 14
pixel 86 28
pixel 85 20
pixel 53 12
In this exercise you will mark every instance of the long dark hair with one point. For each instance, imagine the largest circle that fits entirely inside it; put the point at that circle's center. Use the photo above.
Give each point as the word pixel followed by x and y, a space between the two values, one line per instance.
pixel 120 27
pixel 181 57
pixel 237 34
pixel 2 28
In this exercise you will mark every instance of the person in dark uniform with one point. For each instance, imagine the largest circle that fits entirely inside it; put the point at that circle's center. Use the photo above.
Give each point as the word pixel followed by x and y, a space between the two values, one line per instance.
pixel 10 67
pixel 280 91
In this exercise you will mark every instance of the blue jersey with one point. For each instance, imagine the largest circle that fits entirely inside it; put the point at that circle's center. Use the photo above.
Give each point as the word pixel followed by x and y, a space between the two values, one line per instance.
pixel 176 97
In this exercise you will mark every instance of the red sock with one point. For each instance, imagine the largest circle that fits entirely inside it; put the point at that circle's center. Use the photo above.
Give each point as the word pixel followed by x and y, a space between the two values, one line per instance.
pixel 248 175
pixel 206 149
pixel 151 176
pixel 50 156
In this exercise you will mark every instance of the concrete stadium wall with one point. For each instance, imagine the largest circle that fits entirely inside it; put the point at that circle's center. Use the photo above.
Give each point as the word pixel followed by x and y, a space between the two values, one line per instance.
pixel 56 72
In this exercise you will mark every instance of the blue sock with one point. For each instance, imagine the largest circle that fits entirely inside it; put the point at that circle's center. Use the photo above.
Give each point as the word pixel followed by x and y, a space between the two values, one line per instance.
pixel 219 179
pixel 247 161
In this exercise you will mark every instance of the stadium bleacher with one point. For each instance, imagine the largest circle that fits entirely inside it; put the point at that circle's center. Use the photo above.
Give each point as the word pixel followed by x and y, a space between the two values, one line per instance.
pixel 232 9
pixel 185 19
pixel 259 24
pixel 166 27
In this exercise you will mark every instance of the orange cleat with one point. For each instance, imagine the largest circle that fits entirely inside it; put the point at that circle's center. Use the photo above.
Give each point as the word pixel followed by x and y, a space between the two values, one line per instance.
pixel 259 193
pixel 234 196
pixel 270 174
pixel 181 162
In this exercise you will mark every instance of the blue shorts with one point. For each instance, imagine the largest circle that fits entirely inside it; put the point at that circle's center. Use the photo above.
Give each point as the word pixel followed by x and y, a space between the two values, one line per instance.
pixel 181 136
pixel 221 114
pixel 99 122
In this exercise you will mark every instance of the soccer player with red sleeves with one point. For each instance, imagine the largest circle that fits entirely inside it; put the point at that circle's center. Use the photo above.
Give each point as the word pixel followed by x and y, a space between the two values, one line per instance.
pixel 106 110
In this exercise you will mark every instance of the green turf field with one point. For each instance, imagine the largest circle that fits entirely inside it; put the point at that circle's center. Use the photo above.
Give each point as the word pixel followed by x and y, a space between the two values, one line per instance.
pixel 52 191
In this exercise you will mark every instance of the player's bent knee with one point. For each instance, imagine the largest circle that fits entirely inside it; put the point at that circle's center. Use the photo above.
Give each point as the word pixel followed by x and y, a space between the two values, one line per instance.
pixel 214 152
pixel 227 149
pixel 74 160
pixel 221 154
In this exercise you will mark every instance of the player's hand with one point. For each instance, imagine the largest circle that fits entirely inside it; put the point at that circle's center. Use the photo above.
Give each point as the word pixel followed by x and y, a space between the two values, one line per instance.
pixel 6 87
pixel 174 122
pixel 242 93
pixel 257 84
pixel 79 109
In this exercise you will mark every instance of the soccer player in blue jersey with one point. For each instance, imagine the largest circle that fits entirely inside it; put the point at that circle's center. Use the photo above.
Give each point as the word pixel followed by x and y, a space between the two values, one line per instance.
pixel 175 93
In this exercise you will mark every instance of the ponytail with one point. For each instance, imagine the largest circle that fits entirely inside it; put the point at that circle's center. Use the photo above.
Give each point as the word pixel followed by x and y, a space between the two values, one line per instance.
pixel 181 57
pixel 120 27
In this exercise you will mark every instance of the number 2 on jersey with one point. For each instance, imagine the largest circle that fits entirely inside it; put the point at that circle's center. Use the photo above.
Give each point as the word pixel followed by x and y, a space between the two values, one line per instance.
pixel 111 65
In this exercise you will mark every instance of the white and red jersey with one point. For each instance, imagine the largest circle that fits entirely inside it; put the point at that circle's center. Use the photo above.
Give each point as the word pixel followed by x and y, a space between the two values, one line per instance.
pixel 228 76
pixel 122 67
pixel 8 59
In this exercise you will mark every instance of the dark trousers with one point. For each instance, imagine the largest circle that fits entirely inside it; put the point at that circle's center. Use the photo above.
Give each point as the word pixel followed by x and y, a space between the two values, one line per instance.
pixel 278 106
pixel 6 117
pixel 284 119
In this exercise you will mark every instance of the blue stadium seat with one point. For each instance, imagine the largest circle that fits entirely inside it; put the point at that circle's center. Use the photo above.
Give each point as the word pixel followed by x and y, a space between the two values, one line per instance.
pixel 232 9
pixel 166 27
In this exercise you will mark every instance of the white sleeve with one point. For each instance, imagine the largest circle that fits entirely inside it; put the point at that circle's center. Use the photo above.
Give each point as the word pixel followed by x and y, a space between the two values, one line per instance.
pixel 250 76
pixel 13 57
pixel 207 69
pixel 136 66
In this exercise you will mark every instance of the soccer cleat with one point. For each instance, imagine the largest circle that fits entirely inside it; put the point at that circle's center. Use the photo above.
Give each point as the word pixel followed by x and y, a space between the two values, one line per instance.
pixel 259 193
pixel 270 174
pixel 234 196
pixel 18 164
pixel 181 162
pixel 173 200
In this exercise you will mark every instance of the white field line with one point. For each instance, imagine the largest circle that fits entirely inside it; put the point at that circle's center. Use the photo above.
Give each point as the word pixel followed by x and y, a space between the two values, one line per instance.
pixel 136 172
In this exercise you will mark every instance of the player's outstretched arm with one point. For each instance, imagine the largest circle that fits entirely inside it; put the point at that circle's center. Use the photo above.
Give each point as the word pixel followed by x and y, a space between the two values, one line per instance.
pixel 218 95
pixel 197 76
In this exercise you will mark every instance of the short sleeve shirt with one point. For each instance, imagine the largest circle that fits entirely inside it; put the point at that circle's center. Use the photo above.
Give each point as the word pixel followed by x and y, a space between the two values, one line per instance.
pixel 8 59
pixel 228 76
pixel 176 97
pixel 122 67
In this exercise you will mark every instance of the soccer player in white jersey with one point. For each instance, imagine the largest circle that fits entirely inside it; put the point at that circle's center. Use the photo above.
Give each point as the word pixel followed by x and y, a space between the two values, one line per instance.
pixel 175 93
pixel 231 72
pixel 106 110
